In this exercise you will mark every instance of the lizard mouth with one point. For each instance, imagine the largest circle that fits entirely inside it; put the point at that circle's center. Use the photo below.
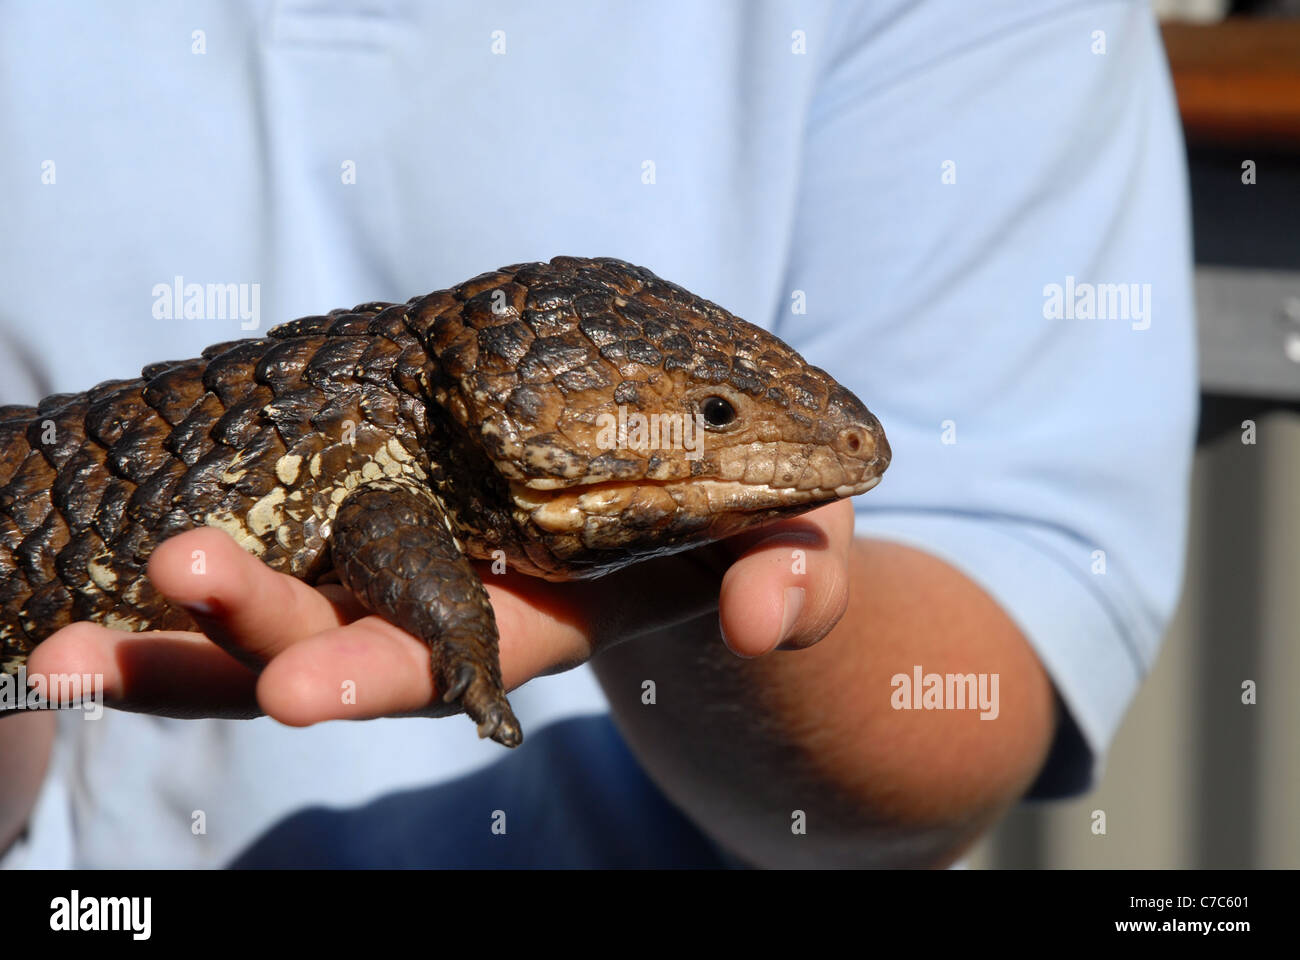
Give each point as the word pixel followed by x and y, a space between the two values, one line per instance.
pixel 711 507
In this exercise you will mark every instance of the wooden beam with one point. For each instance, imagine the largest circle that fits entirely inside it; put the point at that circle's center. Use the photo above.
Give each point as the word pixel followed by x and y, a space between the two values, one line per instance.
pixel 1237 81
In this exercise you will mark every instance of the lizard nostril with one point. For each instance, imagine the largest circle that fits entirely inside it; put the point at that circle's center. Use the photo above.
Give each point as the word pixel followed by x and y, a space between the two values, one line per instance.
pixel 856 442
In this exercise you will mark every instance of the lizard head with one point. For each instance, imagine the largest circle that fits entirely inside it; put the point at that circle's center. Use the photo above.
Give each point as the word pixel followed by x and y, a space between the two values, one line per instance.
pixel 623 417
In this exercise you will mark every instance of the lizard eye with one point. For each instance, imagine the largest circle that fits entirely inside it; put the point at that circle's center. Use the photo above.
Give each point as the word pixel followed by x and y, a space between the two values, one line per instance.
pixel 717 411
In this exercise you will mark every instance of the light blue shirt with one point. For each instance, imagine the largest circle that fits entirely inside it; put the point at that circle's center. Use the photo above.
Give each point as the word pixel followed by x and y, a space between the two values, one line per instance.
pixel 893 187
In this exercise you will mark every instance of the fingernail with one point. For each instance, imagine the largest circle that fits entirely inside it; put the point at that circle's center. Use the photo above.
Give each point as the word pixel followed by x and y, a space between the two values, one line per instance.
pixel 793 604
pixel 727 643
pixel 202 607
pixel 789 538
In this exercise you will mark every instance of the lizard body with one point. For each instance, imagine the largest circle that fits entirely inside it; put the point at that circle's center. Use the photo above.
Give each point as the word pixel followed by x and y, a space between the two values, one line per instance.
pixel 542 414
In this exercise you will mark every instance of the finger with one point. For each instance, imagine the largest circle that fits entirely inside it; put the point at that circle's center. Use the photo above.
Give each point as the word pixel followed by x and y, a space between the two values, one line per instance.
pixel 372 668
pixel 363 670
pixel 789 587
pixel 250 610
pixel 169 673
pixel 543 627
pixel 548 627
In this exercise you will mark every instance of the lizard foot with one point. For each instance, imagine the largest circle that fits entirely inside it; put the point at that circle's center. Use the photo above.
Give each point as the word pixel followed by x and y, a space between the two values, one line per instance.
pixel 483 699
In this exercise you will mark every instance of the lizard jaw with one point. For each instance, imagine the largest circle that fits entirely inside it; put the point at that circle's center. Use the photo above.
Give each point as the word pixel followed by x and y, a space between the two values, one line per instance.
pixel 719 504
pixel 591 530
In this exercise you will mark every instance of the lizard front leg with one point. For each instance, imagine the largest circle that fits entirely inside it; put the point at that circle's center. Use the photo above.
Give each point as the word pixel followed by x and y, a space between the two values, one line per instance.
pixel 393 550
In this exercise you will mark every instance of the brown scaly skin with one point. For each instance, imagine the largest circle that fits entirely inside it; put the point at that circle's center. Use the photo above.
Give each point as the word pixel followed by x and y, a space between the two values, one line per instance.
pixel 394 442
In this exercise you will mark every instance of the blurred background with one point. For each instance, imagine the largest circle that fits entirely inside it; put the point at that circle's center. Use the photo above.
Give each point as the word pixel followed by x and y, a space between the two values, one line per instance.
pixel 1195 777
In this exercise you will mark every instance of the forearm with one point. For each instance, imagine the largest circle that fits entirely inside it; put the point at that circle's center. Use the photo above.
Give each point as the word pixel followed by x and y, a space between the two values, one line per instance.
pixel 742 744
pixel 25 742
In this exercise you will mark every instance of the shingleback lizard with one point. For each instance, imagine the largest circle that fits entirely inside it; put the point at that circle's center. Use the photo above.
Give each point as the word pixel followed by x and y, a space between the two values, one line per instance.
pixel 393 443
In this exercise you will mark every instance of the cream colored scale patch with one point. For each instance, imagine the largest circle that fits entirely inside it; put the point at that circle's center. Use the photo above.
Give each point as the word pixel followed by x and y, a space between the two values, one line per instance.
pixel 103 580
pixel 280 512
pixel 290 502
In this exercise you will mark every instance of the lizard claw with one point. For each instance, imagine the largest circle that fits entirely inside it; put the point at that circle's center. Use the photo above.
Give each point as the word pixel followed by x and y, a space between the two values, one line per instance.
pixel 464 676
pixel 484 700
pixel 500 724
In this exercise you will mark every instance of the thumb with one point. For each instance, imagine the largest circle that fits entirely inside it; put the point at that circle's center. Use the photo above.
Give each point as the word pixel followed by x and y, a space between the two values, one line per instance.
pixel 789 587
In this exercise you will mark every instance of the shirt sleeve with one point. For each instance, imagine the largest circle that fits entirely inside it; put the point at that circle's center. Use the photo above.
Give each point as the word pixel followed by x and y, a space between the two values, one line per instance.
pixel 970 172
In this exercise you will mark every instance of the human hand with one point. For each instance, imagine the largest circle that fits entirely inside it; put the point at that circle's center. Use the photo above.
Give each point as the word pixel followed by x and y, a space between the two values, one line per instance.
pixel 275 645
